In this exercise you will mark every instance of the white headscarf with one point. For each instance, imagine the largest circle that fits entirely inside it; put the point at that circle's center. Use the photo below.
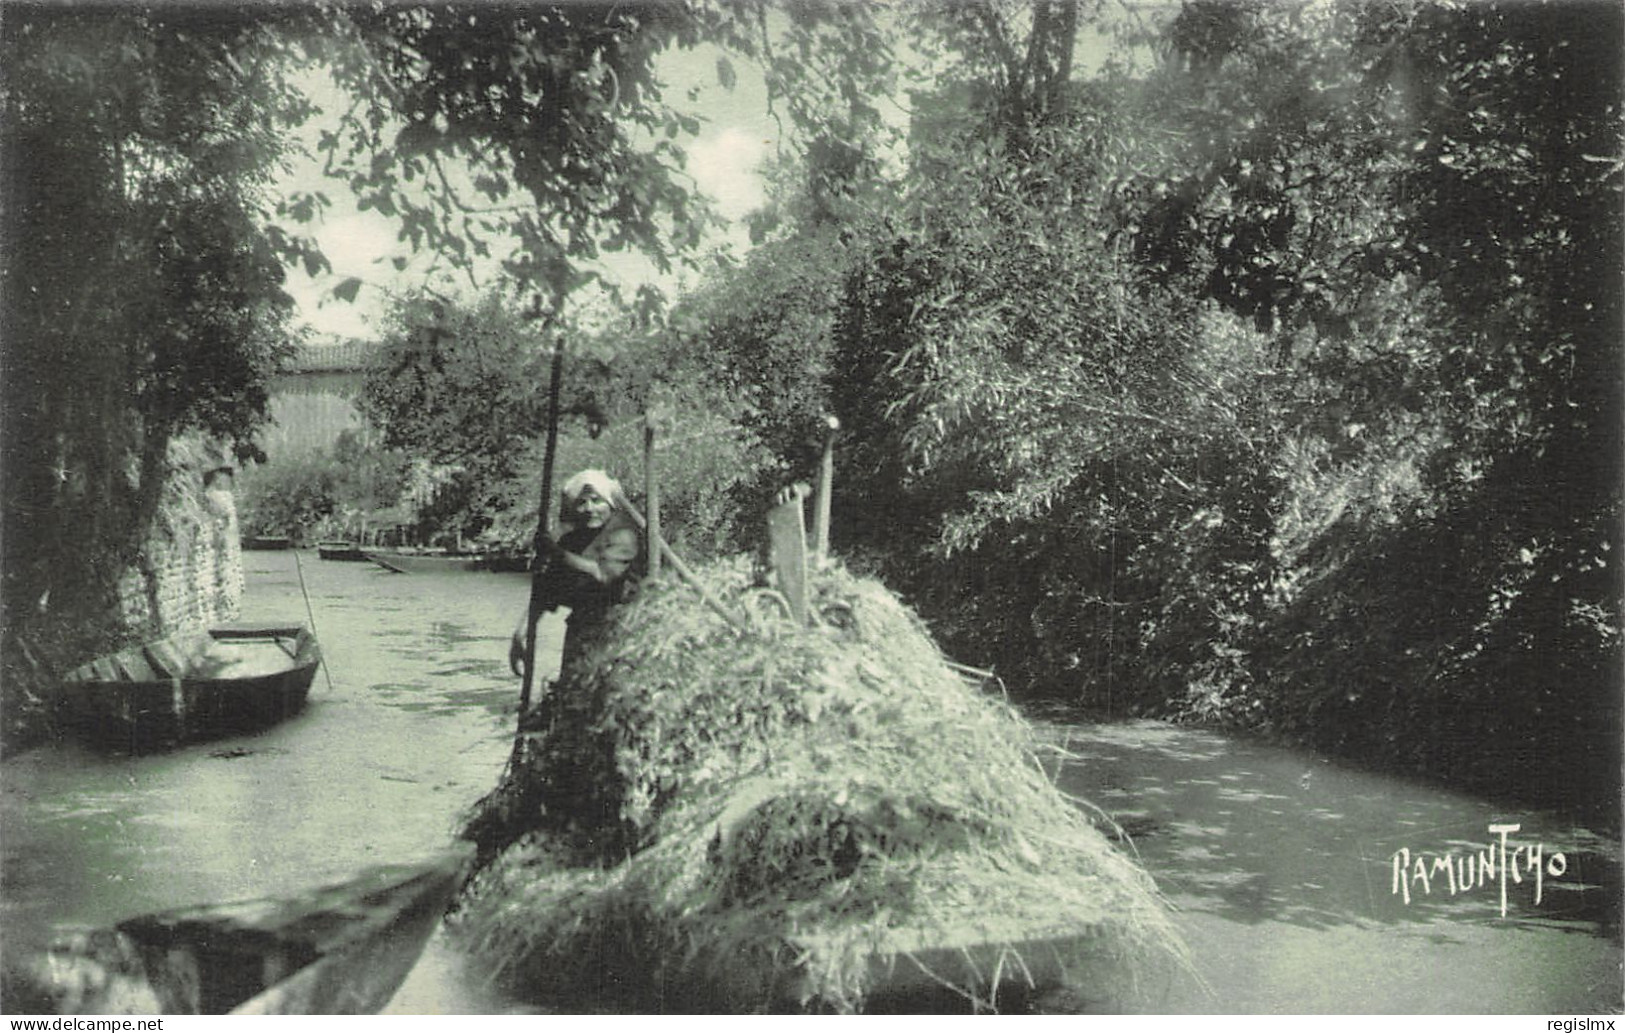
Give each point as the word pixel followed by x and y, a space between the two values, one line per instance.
pixel 607 487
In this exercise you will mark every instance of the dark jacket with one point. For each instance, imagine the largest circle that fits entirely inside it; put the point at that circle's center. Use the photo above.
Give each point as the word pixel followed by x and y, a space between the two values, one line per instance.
pixel 600 573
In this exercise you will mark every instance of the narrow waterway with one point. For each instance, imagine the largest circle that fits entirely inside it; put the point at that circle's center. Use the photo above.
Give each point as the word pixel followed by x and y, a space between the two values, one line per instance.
pixel 407 725
pixel 1280 865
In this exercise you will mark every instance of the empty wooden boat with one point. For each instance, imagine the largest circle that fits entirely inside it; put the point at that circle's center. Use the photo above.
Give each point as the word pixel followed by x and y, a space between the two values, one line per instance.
pixel 199 685
pixel 261 543
pixel 425 562
pixel 347 551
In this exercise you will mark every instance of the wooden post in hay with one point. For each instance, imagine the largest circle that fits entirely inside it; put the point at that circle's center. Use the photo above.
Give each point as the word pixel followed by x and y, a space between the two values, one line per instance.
pixel 787 549
pixel 826 482
pixel 651 494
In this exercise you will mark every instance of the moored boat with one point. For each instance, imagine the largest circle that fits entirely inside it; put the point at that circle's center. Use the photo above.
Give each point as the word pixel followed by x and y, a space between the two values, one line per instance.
pixel 425 562
pixel 348 551
pixel 261 543
pixel 342 949
pixel 198 685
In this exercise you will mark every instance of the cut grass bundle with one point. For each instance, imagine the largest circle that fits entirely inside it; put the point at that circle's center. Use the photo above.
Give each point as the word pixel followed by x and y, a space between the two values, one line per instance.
pixel 823 819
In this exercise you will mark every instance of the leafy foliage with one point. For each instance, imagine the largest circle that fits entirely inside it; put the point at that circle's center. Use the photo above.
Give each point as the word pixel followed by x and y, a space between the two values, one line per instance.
pixel 1487 136
pixel 560 110
pixel 1383 518
pixel 764 331
pixel 321 495
pixel 705 461
pixel 290 499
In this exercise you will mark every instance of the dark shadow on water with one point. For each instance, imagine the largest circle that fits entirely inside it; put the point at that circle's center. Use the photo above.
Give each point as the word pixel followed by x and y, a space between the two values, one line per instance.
pixel 497 698
pixel 493 669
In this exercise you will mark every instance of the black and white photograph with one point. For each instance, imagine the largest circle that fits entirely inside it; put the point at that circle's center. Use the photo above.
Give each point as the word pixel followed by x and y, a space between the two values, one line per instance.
pixel 812 508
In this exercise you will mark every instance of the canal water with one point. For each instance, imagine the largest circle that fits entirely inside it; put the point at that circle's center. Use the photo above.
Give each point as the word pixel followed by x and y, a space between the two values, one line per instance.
pixel 1282 869
pixel 407 725
pixel 1280 866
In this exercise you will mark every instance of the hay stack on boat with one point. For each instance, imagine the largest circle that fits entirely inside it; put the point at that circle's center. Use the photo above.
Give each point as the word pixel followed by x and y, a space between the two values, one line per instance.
pixel 819 819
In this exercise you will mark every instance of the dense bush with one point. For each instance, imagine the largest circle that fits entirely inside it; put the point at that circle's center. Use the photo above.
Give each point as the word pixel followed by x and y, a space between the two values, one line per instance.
pixel 315 495
pixel 1279 387
pixel 702 460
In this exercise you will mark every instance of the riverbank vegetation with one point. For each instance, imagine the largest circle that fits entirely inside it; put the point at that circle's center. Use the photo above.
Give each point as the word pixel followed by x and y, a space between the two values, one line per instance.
pixel 1236 362
pixel 1276 385
pixel 1279 387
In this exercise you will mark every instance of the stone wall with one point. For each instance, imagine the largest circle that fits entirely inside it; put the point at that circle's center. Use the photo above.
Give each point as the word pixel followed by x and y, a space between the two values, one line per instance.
pixel 190 573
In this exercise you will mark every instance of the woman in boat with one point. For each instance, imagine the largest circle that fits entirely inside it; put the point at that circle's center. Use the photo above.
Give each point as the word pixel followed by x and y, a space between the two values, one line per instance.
pixel 590 569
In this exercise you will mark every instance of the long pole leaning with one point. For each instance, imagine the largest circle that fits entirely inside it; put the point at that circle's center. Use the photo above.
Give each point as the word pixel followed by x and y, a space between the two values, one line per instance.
pixel 539 567
pixel 658 544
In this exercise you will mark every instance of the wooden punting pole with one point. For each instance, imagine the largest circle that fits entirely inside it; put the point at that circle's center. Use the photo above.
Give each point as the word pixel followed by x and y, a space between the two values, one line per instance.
pixel 651 494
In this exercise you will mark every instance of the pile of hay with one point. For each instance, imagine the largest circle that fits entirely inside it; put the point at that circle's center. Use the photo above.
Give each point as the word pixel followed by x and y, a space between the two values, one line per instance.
pixel 776 820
